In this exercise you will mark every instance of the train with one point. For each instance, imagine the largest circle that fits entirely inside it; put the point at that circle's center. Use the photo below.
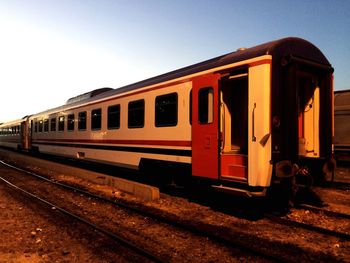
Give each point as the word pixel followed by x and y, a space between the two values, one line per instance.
pixel 243 122
pixel 341 125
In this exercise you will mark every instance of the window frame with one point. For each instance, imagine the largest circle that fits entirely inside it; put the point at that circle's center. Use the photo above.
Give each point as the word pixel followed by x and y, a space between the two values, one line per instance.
pixel 109 117
pixel 61 125
pixel 46 125
pixel 70 122
pixel 132 124
pixel 93 120
pixel 40 126
pixel 80 121
pixel 53 124
pixel 206 105
pixel 159 118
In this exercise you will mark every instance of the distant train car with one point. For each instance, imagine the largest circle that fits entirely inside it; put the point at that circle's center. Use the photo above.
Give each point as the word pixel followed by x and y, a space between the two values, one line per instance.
pixel 243 121
pixel 15 134
pixel 342 125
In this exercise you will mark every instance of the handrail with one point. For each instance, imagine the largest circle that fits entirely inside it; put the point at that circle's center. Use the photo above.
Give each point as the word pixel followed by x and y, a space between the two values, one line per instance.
pixel 253 128
pixel 223 121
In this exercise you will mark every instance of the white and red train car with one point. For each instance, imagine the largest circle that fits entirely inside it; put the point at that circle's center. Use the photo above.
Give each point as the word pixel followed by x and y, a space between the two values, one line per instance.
pixel 242 121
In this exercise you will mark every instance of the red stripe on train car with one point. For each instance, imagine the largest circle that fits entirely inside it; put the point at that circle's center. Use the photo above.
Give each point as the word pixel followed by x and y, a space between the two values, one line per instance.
pixel 125 142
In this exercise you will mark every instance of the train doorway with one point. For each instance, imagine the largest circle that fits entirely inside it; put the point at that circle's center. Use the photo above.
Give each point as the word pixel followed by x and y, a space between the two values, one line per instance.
pixel 234 127
pixel 308 101
pixel 310 126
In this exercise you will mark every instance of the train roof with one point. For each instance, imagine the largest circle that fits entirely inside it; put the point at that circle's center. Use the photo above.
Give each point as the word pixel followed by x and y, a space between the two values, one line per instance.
pixel 342 99
pixel 13 122
pixel 278 49
pixel 342 91
pixel 87 95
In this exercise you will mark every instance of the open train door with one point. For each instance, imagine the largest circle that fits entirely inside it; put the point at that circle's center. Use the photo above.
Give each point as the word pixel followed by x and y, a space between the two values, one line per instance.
pixel 259 124
pixel 205 126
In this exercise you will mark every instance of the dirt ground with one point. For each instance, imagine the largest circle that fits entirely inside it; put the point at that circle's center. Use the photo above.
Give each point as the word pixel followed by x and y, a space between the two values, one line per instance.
pixel 31 234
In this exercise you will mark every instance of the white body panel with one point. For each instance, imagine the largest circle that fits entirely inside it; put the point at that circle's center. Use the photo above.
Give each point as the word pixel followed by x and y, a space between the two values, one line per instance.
pixel 151 136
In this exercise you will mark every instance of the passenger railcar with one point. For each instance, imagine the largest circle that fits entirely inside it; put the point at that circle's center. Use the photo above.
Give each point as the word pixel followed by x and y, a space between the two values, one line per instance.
pixel 342 125
pixel 15 134
pixel 243 121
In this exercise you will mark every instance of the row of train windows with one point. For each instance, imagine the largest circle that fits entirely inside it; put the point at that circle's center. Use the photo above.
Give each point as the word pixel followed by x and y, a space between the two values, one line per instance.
pixel 165 115
pixel 10 130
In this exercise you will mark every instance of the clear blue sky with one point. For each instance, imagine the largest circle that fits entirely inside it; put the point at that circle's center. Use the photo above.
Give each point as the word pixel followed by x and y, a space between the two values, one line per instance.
pixel 51 50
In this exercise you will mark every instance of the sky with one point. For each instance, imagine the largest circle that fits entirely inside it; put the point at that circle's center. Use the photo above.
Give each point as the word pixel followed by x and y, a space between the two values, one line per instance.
pixel 52 50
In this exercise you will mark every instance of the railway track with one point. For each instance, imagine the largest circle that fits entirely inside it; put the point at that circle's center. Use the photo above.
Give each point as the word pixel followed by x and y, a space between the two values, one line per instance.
pixel 338 185
pixel 113 236
pixel 324 211
pixel 292 223
pixel 120 238
pixel 247 243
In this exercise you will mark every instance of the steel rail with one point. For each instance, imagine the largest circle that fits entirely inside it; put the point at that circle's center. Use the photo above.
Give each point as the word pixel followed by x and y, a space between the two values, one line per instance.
pixel 325 211
pixel 321 230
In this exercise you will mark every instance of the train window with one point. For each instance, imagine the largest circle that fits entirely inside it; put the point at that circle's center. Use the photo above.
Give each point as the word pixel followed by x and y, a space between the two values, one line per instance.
pixel 41 126
pixel 166 110
pixel 35 126
pixel 96 119
pixel 136 114
pixel 206 105
pixel 53 124
pixel 46 125
pixel 113 118
pixel 70 122
pixel 82 120
pixel 61 123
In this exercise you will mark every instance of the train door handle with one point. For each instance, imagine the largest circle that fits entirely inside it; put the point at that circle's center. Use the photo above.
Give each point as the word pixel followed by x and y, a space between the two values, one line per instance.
pixel 253 128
